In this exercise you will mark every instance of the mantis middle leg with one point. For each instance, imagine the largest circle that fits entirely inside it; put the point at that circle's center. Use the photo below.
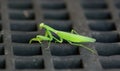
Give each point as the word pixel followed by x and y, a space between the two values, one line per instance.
pixel 74 32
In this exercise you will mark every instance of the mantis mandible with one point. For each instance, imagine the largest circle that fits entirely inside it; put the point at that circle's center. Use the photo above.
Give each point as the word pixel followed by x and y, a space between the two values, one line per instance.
pixel 73 38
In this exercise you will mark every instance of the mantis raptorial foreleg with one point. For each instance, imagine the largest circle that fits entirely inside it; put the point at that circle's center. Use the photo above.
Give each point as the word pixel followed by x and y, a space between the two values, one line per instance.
pixel 48 34
pixel 52 37
pixel 82 46
pixel 35 39
pixel 57 40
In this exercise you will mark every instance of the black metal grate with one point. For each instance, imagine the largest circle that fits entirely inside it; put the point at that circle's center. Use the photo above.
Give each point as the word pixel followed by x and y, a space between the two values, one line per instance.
pixel 103 22
pixel 19 20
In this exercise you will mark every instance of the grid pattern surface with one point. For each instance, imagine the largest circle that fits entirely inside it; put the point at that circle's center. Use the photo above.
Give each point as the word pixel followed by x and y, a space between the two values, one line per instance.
pixel 19 20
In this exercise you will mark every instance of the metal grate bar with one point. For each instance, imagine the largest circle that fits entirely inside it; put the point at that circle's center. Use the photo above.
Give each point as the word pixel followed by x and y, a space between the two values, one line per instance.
pixel 8 52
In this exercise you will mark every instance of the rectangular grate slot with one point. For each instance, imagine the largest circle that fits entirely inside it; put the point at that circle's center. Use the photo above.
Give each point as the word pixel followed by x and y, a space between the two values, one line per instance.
pixel 22 38
pixel 67 63
pixel 92 1
pixel 1 50
pixel 102 26
pixel 112 62
pixel 60 25
pixel 0 27
pixel 22 15
pixel 108 49
pixel 1 38
pixel 2 63
pixel 20 6
pixel 117 4
pixel 53 5
pixel 97 15
pixel 0 16
pixel 29 63
pixel 106 37
pixel 23 27
pixel 64 50
pixel 56 15
pixel 94 5
pixel 54 10
pixel 27 50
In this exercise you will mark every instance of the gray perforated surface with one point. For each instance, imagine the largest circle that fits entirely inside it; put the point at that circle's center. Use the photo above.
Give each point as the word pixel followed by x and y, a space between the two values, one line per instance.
pixel 94 18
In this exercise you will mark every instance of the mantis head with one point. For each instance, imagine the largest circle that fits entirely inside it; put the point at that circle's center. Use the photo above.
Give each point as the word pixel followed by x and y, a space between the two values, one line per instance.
pixel 41 25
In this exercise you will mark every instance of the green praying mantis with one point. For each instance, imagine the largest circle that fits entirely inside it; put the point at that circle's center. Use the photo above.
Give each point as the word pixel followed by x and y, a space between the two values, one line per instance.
pixel 72 37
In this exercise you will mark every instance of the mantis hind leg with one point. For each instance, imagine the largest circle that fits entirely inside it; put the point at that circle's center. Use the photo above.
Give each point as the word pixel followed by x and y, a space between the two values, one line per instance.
pixel 74 32
pixel 82 46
